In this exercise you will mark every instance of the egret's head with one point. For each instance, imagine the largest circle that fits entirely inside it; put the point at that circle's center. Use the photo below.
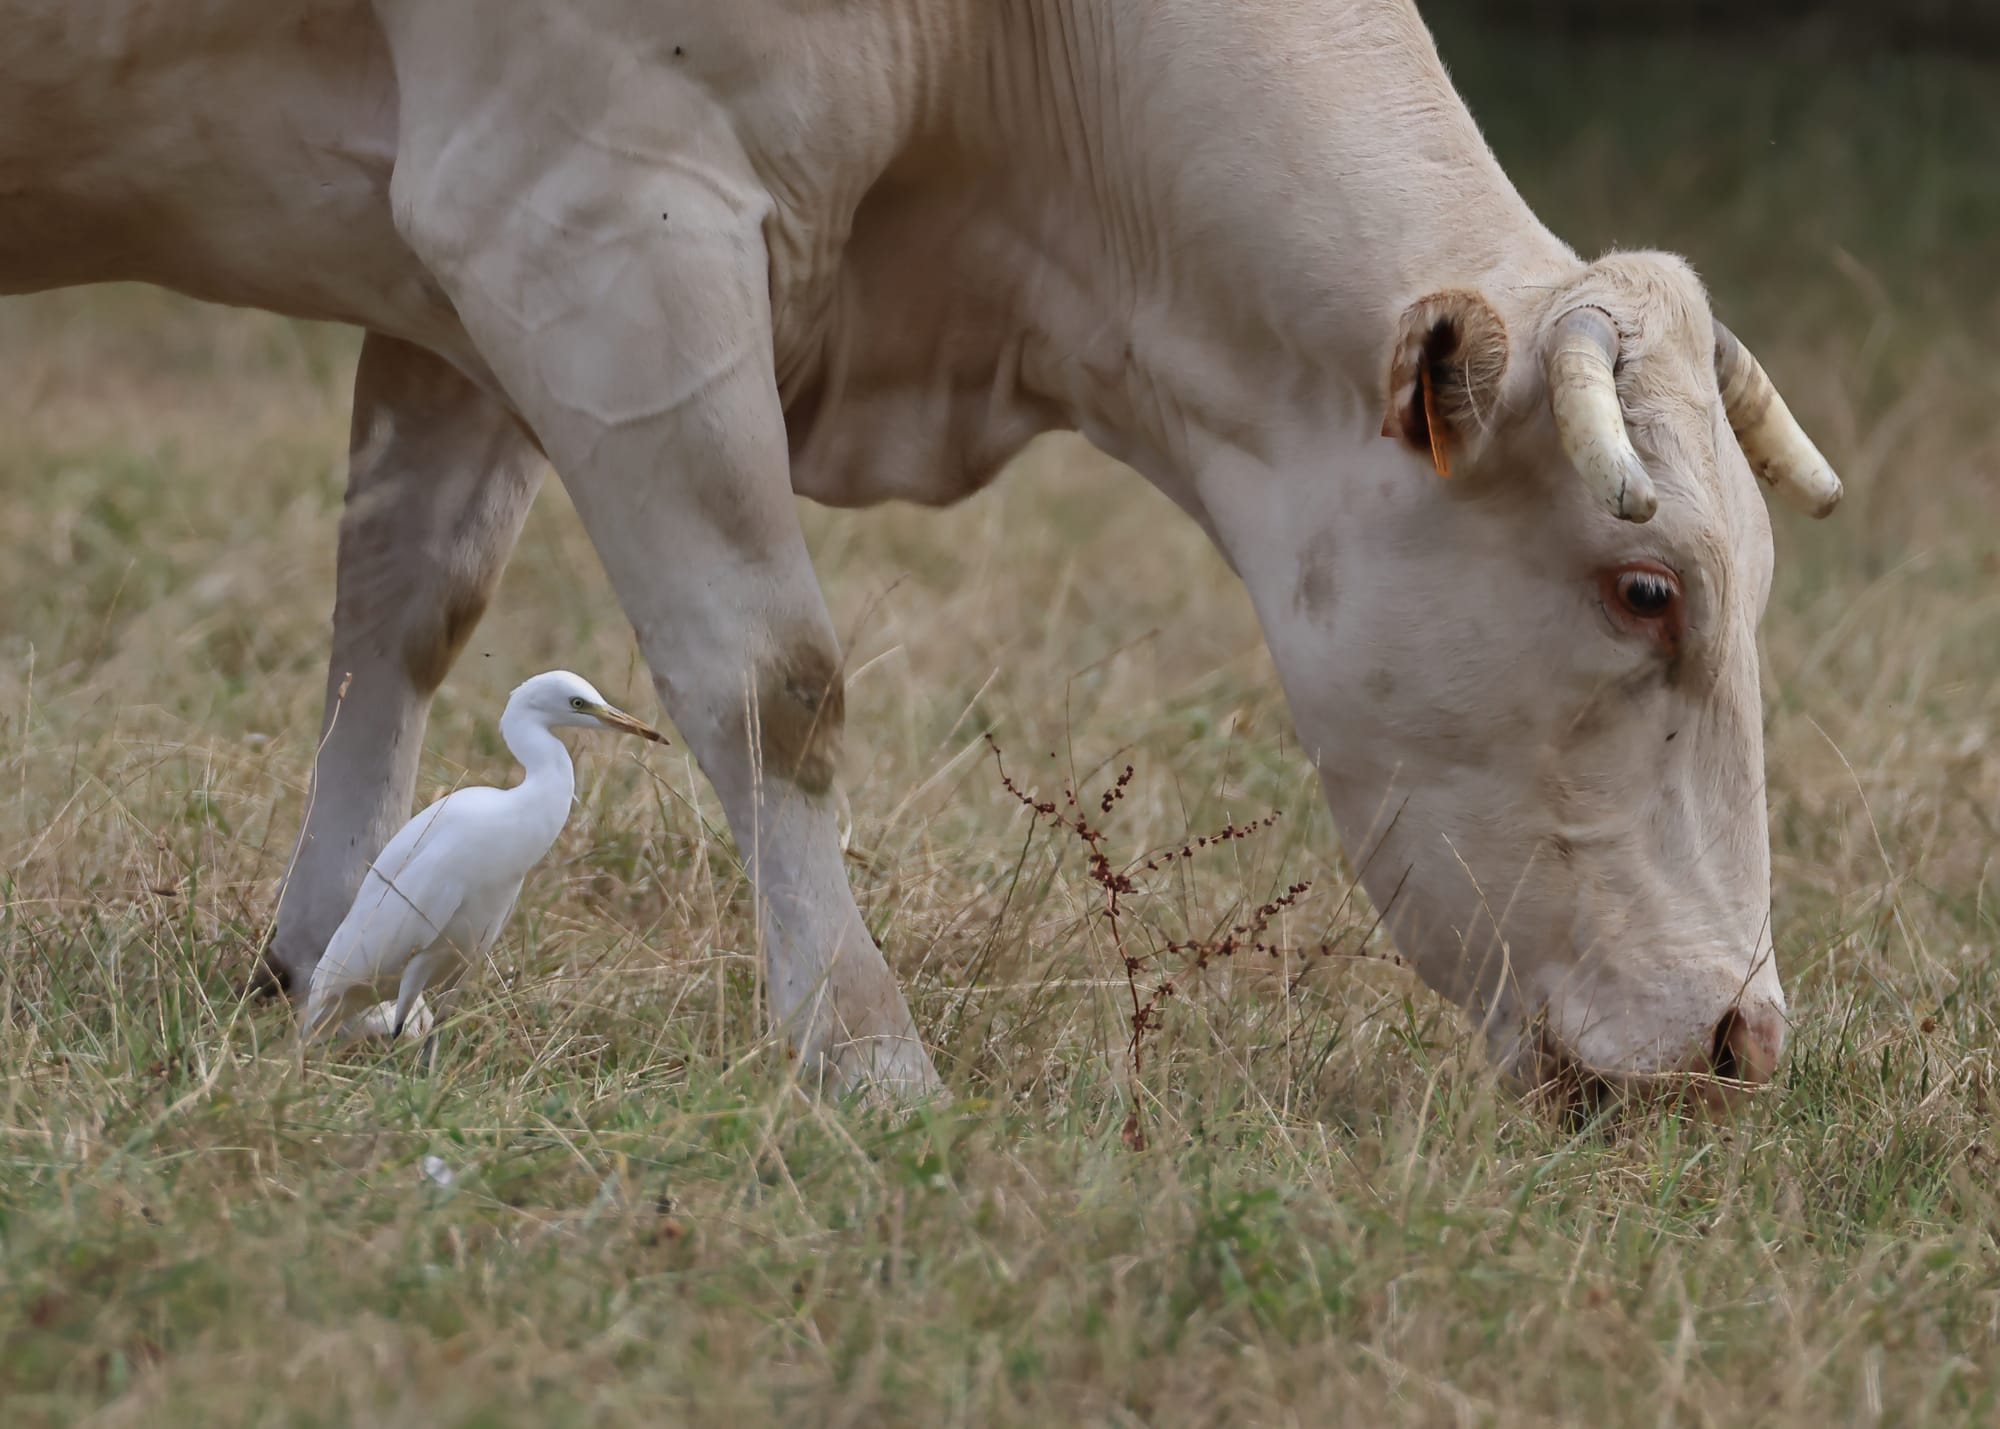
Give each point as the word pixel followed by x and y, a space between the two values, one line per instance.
pixel 560 698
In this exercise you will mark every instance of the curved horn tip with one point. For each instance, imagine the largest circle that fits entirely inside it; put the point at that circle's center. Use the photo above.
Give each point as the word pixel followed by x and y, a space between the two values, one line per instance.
pixel 1818 504
pixel 1799 476
pixel 1776 446
pixel 1636 503
pixel 1802 479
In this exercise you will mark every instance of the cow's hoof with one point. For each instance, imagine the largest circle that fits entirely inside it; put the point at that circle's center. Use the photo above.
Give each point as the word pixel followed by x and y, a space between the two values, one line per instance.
pixel 887 1072
pixel 268 978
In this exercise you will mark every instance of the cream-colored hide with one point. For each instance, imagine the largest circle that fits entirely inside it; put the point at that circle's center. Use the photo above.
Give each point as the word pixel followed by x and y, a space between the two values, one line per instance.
pixel 705 255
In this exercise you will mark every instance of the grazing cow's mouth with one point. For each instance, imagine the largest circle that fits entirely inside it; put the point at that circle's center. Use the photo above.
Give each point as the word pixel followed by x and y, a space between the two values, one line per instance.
pixel 1734 1066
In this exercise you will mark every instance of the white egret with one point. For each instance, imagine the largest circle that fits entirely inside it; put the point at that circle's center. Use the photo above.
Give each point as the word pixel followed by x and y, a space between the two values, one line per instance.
pixel 437 896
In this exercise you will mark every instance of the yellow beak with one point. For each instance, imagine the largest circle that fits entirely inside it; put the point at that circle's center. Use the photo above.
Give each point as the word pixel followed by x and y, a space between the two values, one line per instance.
pixel 617 719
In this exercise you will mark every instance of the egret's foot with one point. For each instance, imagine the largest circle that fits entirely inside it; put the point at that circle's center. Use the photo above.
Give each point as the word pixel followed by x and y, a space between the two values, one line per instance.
pixel 427 1058
pixel 379 1023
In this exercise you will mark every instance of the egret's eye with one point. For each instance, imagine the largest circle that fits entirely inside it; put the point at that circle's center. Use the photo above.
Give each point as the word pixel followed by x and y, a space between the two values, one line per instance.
pixel 1644 598
pixel 577 702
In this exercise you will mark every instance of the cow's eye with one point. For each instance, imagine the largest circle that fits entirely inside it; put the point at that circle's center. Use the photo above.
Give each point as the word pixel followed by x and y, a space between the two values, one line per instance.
pixel 1646 594
pixel 1644 598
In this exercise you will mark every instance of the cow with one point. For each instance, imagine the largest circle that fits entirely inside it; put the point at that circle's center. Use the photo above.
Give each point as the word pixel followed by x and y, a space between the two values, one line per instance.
pixel 1496 507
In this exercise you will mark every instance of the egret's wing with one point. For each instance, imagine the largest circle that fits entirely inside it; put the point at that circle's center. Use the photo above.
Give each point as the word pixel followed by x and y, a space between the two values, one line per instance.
pixel 407 900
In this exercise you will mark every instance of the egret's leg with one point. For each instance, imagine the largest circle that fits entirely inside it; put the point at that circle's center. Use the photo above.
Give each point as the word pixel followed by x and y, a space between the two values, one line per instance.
pixel 443 993
pixel 417 975
pixel 439 482
pixel 427 1053
pixel 614 276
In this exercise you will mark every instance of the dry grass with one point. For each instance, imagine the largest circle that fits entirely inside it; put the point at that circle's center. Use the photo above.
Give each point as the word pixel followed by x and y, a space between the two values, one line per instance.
pixel 1335 1216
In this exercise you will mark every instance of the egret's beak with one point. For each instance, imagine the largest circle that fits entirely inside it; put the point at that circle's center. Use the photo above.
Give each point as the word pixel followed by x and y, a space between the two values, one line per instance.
pixel 617 719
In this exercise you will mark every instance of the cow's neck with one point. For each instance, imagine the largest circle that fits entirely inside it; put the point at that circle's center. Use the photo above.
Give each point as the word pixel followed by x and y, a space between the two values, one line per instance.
pixel 1231 201
pixel 1184 227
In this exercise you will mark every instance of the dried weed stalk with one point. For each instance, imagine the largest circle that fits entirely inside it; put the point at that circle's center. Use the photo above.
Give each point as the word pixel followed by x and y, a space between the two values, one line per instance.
pixel 1164 968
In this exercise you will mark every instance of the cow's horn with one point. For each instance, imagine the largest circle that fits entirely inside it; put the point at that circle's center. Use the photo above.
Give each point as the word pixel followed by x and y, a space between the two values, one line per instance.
pixel 1583 395
pixel 1776 447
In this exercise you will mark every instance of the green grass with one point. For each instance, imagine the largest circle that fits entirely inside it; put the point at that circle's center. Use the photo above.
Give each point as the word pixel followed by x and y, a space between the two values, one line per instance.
pixel 1335 1216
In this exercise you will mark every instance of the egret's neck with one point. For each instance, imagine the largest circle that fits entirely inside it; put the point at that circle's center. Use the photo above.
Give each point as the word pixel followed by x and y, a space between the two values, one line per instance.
pixel 550 777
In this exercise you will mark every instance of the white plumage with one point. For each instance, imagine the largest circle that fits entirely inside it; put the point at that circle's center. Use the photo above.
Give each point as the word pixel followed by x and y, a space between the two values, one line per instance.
pixel 437 896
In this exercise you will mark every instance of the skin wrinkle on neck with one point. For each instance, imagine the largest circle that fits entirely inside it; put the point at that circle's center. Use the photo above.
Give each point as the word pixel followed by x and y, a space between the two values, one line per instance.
pixel 1115 331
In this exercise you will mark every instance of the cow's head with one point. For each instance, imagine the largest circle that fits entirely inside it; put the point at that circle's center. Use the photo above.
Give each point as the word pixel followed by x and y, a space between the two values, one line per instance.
pixel 1531 681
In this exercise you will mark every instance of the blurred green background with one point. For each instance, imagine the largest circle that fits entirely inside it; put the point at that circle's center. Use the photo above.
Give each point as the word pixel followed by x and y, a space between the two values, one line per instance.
pixel 1955 23
pixel 1814 150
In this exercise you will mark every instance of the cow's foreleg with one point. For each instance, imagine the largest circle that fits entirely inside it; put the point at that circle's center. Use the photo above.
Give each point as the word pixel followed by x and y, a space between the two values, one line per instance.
pixel 440 479
pixel 744 657
pixel 690 509
pixel 622 300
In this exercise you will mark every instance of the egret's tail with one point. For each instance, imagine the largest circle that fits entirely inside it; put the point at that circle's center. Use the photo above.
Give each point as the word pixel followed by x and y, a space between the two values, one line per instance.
pixel 322 1003
pixel 331 1008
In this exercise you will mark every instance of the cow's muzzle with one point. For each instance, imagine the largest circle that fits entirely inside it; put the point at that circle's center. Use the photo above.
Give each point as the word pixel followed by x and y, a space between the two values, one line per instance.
pixel 1735 1061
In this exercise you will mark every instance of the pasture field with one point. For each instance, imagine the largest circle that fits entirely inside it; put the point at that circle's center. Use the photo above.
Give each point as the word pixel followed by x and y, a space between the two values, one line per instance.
pixel 604 1205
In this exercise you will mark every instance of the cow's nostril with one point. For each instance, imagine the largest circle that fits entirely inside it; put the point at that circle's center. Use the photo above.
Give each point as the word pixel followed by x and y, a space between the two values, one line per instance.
pixel 1722 1059
pixel 1746 1044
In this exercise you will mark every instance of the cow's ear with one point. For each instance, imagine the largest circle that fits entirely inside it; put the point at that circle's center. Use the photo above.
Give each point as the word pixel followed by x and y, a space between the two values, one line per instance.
pixel 1444 375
